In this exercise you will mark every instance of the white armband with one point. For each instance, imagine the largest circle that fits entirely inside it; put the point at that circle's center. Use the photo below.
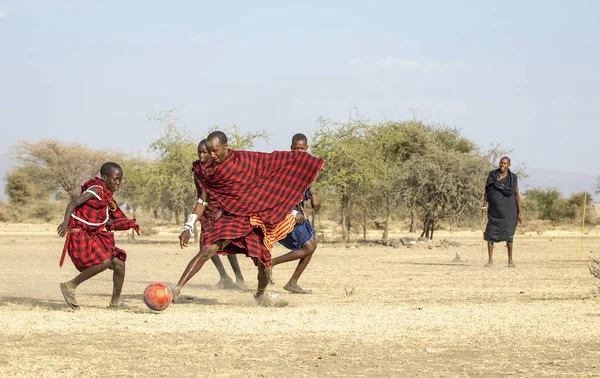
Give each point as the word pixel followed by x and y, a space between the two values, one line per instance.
pixel 202 202
pixel 189 225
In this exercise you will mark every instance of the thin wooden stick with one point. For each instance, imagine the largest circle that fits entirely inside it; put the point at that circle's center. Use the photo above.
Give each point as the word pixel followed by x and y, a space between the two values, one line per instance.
pixel 482 234
pixel 582 227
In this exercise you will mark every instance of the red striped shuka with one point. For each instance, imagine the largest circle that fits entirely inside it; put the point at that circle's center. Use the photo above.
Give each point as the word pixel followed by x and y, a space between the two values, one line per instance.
pixel 256 192
pixel 89 240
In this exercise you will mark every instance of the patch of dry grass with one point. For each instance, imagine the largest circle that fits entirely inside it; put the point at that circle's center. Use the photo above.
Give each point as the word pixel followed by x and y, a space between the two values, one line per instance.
pixel 375 311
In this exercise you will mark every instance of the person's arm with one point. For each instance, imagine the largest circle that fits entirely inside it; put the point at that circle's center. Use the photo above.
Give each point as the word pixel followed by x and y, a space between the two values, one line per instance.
pixel 118 221
pixel 71 206
pixel 518 197
pixel 300 218
pixel 314 200
pixel 188 227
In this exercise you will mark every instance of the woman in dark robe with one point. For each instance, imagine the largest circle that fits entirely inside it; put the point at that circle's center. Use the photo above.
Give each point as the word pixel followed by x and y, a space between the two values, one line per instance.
pixel 502 204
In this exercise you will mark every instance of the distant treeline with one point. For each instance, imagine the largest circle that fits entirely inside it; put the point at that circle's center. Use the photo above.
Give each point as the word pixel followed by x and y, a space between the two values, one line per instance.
pixel 374 172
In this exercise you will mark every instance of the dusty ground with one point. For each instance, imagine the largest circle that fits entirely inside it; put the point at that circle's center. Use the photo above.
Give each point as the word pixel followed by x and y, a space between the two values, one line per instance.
pixel 375 311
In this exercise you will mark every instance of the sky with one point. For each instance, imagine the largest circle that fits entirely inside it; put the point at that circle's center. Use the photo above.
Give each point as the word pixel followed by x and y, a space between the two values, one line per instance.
pixel 522 74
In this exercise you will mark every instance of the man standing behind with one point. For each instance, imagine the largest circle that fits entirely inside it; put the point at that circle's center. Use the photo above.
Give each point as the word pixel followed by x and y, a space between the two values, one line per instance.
pixel 502 204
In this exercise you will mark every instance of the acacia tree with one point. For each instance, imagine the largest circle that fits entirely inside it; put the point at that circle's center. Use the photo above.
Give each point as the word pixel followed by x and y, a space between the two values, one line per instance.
pixel 348 171
pixel 237 140
pixel 20 187
pixel 395 143
pixel 136 189
pixel 171 176
pixel 61 166
pixel 444 180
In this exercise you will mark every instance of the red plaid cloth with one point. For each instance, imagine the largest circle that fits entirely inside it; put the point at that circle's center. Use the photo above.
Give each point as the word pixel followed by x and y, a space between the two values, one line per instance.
pixel 121 222
pixel 255 183
pixel 208 216
pixel 87 242
pixel 264 187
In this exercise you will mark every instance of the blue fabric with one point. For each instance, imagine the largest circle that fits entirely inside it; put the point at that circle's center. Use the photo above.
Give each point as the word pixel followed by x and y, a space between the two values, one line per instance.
pixel 299 236
pixel 509 240
pixel 302 232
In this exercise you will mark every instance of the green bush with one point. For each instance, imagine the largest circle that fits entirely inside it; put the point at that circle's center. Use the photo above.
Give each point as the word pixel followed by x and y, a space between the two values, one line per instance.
pixel 549 204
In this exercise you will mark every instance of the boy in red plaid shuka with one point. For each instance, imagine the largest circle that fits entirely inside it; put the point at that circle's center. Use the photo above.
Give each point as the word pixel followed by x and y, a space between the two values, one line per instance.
pixel 256 192
pixel 89 220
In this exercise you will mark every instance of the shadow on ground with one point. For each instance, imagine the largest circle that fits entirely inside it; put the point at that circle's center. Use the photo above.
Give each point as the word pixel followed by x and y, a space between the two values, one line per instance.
pixel 49 304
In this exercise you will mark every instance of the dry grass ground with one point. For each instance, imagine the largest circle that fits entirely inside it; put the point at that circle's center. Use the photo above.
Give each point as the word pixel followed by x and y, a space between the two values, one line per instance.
pixel 375 311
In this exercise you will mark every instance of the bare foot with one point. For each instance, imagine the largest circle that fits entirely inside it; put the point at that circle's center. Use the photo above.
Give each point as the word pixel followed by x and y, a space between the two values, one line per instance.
pixel 224 283
pixel 176 293
pixel 241 285
pixel 489 264
pixel 69 295
pixel 296 289
pixel 118 306
pixel 269 272
pixel 263 299
pixel 510 264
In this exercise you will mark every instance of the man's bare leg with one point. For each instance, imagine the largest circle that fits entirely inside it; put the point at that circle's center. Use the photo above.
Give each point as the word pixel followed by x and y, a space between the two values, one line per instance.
pixel 225 281
pixel 263 281
pixel 509 247
pixel 239 277
pixel 304 255
pixel 490 254
pixel 196 264
pixel 292 285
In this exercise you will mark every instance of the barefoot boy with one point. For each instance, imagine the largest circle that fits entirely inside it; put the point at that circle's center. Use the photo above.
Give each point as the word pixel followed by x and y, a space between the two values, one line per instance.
pixel 88 224
pixel 301 241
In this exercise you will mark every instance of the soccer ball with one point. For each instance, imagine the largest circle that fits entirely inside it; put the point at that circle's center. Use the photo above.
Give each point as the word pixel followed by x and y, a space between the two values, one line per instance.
pixel 158 296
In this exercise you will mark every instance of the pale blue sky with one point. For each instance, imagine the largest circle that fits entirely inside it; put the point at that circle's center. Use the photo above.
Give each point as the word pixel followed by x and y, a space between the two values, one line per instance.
pixel 525 74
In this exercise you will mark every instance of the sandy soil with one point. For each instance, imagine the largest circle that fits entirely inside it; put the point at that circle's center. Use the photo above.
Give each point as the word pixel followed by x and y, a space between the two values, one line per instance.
pixel 375 311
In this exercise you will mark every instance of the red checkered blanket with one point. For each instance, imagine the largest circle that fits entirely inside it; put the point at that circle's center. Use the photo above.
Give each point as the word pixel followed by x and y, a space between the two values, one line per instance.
pixel 268 185
pixel 87 241
pixel 258 186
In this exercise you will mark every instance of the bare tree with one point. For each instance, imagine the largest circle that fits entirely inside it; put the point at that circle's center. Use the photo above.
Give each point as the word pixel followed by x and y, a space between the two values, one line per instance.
pixel 61 166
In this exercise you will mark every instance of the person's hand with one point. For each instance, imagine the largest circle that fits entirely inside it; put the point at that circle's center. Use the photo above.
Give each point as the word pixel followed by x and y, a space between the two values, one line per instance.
pixel 184 238
pixel 218 214
pixel 63 228
pixel 109 223
pixel 484 211
pixel 520 219
pixel 300 218
pixel 315 203
pixel 136 227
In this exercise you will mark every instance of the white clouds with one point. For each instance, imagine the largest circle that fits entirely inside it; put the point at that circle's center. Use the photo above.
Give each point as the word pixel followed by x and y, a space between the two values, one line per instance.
pixel 2 14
